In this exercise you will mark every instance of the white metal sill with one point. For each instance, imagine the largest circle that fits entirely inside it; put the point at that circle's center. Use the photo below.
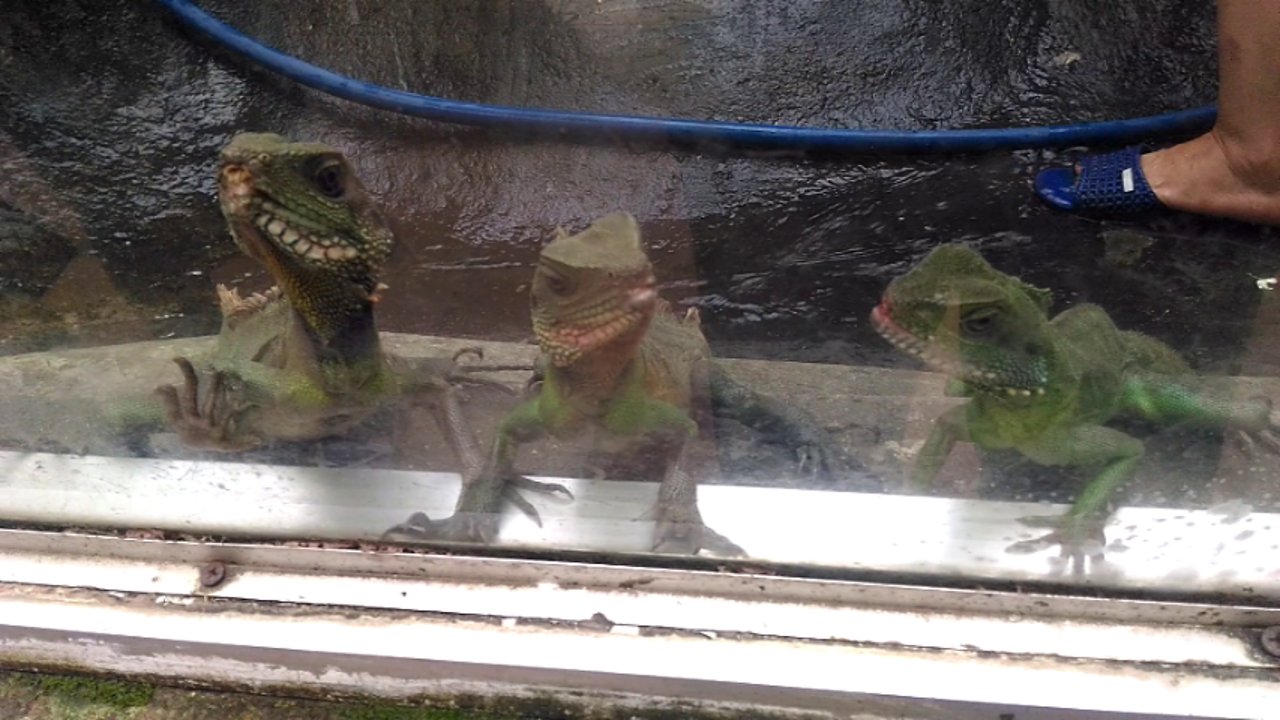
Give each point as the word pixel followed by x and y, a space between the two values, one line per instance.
pixel 1228 551
pixel 549 639
pixel 448 626
pixel 400 624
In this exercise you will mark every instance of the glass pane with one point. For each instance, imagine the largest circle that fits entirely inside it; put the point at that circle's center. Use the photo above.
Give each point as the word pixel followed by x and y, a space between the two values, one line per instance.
pixel 769 334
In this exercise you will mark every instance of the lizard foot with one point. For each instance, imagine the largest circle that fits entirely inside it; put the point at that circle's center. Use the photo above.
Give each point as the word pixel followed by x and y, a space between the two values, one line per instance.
pixel 477 527
pixel 679 531
pixel 478 353
pixel 1249 441
pixel 1079 539
pixel 461 527
pixel 1256 426
pixel 210 425
pixel 462 374
pixel 824 461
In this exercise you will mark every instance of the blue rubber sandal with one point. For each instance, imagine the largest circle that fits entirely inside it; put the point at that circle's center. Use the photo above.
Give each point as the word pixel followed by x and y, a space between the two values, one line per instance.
pixel 1107 184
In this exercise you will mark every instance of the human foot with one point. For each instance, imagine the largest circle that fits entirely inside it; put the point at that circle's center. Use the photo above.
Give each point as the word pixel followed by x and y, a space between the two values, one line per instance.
pixel 1212 176
pixel 1207 175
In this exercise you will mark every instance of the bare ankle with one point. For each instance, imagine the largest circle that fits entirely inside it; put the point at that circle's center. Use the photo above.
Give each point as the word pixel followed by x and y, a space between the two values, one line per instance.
pixel 1214 174
pixel 1255 162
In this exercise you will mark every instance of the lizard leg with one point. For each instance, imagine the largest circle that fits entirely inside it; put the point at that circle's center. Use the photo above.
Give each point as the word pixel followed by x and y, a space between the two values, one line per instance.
pixel 453 423
pixel 950 427
pixel 678 523
pixel 1079 532
pixel 1166 401
pixel 664 431
pixel 485 483
pixel 818 455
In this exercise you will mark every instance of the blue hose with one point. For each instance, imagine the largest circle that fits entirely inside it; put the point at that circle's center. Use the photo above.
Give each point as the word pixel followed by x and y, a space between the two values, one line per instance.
pixel 572 125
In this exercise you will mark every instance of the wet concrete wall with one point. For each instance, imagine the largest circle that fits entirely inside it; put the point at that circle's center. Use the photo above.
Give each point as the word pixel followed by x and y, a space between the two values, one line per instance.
pixel 112 117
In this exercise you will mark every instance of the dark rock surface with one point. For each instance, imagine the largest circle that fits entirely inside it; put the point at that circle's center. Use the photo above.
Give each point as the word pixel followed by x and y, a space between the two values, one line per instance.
pixel 113 116
pixel 31 256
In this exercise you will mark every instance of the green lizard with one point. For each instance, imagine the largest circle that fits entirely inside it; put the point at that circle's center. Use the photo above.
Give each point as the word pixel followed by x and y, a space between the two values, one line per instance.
pixel 303 360
pixel 616 359
pixel 1043 387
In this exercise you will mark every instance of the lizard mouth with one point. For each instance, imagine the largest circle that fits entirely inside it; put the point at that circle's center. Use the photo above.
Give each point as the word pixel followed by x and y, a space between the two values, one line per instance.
pixel 594 327
pixel 937 358
pixel 266 223
pixel 905 340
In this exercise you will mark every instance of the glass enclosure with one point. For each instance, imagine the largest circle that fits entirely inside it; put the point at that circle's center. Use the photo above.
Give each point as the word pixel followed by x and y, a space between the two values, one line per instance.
pixel 871 362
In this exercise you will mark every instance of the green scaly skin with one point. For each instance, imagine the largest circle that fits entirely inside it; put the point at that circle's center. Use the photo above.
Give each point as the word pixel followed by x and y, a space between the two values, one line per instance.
pixel 1043 387
pixel 615 359
pixel 303 360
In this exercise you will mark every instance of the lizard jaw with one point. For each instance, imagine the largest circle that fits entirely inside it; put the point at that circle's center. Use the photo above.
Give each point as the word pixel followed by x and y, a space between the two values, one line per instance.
pixel 235 188
pixel 925 350
pixel 566 343
pixel 265 223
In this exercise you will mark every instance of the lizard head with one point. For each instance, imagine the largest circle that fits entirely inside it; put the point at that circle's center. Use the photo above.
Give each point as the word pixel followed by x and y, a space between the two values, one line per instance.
pixel 963 317
pixel 592 290
pixel 299 209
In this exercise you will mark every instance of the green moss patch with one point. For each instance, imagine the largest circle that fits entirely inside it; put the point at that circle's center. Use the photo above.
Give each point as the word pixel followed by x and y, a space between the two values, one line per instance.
pixel 96 691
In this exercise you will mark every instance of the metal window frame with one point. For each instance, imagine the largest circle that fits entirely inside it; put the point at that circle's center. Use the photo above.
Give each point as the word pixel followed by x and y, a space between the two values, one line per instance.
pixel 701 642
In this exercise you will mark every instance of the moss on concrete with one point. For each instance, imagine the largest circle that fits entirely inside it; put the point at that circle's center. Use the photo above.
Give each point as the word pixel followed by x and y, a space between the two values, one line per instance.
pixel 69 696
pixel 28 696
pixel 400 712
pixel 97 691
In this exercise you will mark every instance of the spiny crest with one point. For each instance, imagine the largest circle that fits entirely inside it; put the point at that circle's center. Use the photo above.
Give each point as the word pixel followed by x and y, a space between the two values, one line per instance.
pixel 955 272
pixel 610 243
pixel 946 264
pixel 957 259
pixel 268 146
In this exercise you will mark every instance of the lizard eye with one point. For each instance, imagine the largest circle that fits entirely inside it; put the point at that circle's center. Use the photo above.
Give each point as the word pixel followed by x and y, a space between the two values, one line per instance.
pixel 978 324
pixel 328 180
pixel 558 285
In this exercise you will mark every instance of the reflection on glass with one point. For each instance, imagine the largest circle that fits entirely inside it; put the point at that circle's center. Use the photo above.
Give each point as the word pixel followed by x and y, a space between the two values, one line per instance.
pixel 301 360
pixel 1046 387
pixel 438 403
pixel 617 361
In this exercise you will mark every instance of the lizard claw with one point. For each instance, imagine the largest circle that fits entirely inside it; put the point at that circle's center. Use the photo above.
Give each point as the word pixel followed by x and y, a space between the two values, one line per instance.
pixel 418 526
pixel 1271 440
pixel 680 530
pixel 823 461
pixel 472 350
pixel 1079 540
pixel 459 379
pixel 478 353
pixel 1249 441
pixel 1042 521
pixel 1257 426
pixel 814 461
pixel 463 527
pixel 519 482
pixel 693 538
pixel 460 374
pixel 209 425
